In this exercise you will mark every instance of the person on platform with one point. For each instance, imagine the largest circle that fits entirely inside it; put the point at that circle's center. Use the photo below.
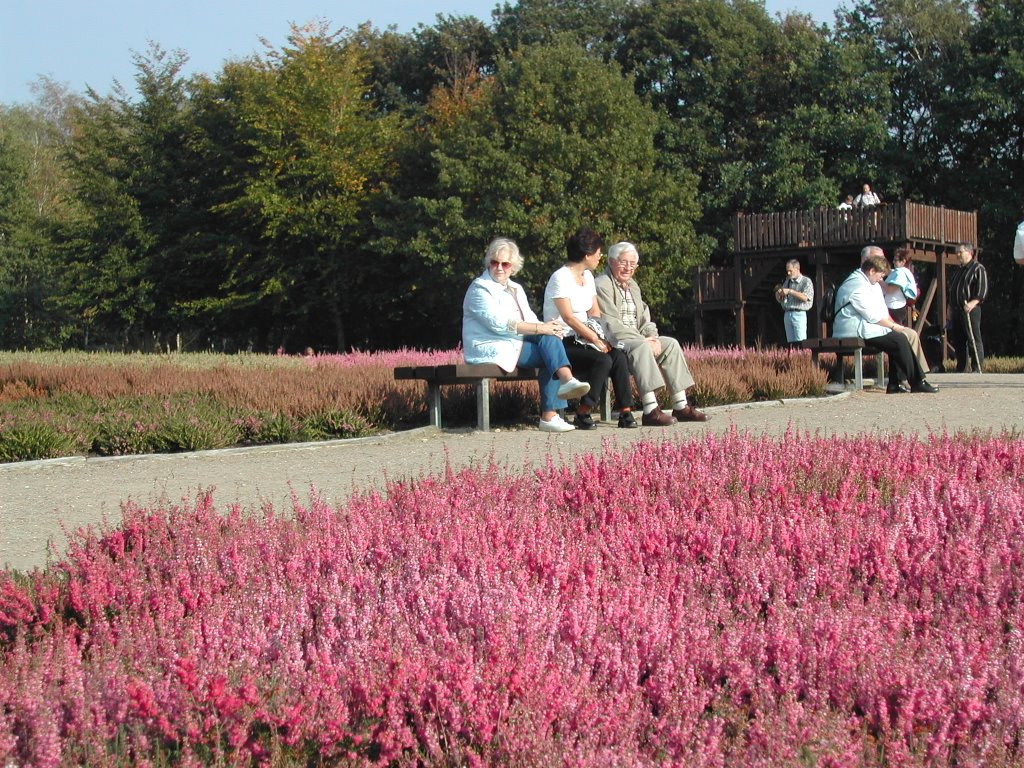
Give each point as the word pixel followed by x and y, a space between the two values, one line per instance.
pixel 866 198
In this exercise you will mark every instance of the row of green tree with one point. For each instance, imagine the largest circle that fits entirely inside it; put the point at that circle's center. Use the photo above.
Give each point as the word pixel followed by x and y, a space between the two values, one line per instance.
pixel 339 191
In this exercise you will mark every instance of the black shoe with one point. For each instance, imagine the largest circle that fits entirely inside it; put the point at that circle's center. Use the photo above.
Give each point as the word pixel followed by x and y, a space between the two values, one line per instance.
pixel 627 420
pixel 584 421
pixel 924 386
pixel 896 389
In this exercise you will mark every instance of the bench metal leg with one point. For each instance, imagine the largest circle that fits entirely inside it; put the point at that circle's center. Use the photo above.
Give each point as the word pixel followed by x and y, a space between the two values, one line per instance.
pixel 434 404
pixel 483 405
pixel 858 369
pixel 880 380
pixel 606 403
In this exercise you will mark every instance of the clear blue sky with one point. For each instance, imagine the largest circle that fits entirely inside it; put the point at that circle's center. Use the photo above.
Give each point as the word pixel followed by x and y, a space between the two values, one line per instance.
pixel 80 43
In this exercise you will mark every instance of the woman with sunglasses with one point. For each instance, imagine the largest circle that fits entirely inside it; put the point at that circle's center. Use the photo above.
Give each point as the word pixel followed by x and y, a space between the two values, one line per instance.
pixel 499 327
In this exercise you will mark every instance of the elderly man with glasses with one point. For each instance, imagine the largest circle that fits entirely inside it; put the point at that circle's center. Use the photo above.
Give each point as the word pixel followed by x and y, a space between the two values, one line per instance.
pixel 655 361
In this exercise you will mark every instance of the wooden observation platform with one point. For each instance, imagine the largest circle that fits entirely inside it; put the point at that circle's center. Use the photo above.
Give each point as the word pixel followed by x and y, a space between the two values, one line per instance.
pixel 738 301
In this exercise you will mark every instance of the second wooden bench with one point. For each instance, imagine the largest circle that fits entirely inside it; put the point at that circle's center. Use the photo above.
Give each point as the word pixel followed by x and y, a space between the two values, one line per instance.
pixel 844 348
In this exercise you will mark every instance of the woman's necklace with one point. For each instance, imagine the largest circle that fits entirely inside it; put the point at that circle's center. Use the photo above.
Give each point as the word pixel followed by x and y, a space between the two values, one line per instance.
pixel 577 273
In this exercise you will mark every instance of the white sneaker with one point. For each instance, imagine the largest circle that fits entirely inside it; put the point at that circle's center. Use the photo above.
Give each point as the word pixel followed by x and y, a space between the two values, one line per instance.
pixel 573 389
pixel 557 424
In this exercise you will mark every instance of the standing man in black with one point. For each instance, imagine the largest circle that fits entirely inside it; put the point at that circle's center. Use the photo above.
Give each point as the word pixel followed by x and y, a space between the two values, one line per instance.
pixel 967 291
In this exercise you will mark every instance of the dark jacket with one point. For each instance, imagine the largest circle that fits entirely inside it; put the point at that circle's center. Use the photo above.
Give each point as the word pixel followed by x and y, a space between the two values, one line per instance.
pixel 969 282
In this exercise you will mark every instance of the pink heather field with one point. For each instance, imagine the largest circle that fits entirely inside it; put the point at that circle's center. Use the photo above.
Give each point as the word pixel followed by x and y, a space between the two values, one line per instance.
pixel 722 600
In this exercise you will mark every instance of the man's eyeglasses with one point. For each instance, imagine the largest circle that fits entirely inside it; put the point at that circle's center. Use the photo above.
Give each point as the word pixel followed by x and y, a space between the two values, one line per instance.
pixel 506 265
pixel 628 264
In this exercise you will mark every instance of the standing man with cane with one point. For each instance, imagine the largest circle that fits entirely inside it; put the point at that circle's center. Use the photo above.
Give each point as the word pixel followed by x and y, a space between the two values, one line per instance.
pixel 967 290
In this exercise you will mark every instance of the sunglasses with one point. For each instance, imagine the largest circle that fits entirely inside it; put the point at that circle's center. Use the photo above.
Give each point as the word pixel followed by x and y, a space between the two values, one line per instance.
pixel 506 265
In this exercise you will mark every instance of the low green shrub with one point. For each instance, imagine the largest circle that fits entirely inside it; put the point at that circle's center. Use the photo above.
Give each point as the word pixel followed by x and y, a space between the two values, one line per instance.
pixel 123 432
pixel 34 440
pixel 332 425
pixel 195 433
pixel 276 428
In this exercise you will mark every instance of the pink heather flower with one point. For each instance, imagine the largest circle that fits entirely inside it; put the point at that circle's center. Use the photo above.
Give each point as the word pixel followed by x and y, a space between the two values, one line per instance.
pixel 729 600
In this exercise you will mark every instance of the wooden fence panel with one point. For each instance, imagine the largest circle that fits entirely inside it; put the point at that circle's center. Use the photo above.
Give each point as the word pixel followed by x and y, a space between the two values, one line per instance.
pixel 829 227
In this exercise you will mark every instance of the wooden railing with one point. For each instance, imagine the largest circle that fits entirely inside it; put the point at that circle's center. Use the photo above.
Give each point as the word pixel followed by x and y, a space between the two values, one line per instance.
pixel 826 227
pixel 716 288
pixel 941 225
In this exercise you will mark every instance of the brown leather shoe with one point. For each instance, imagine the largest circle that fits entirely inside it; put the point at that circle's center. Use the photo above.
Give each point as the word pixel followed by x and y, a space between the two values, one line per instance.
pixel 689 413
pixel 657 418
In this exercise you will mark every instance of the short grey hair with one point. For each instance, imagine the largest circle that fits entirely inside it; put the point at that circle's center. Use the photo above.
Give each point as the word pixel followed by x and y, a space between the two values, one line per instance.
pixel 503 249
pixel 793 263
pixel 868 251
pixel 965 247
pixel 621 248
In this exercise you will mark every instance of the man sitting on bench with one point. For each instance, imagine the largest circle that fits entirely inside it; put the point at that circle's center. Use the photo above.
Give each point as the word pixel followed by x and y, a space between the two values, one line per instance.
pixel 656 361
pixel 861 313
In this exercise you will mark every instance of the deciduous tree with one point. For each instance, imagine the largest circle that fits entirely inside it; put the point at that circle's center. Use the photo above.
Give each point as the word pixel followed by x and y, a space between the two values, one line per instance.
pixel 556 139
pixel 314 154
pixel 33 199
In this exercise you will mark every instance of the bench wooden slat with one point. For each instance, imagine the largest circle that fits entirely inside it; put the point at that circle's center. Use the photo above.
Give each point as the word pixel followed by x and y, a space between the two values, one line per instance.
pixel 465 373
pixel 461 373
pixel 415 373
pixel 832 344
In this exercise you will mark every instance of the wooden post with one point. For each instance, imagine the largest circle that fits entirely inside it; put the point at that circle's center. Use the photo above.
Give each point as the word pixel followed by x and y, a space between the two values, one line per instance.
pixel 926 305
pixel 819 296
pixel 940 275
pixel 741 319
pixel 698 316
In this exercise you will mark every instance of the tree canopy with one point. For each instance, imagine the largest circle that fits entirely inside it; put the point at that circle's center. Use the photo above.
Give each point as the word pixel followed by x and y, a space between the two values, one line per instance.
pixel 340 191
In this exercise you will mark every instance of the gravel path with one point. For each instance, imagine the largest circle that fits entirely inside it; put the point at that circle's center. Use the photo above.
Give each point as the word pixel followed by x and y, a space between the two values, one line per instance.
pixel 41 500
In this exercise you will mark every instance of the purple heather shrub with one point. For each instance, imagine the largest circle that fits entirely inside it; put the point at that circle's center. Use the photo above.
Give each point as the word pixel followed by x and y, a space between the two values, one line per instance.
pixel 724 600
pixel 388 358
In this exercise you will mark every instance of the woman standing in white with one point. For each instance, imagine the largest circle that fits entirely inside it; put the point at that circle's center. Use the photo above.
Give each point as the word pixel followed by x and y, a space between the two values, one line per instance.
pixel 499 327
pixel 571 298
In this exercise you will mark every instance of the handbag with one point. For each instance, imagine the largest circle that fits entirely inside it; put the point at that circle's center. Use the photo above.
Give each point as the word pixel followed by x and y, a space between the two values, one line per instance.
pixel 595 325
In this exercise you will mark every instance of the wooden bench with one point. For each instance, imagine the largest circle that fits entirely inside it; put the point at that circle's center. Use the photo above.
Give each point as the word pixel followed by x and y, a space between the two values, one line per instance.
pixel 480 375
pixel 845 347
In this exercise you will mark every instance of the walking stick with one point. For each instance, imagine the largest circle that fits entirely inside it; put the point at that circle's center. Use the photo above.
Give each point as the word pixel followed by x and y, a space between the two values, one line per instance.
pixel 971 341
